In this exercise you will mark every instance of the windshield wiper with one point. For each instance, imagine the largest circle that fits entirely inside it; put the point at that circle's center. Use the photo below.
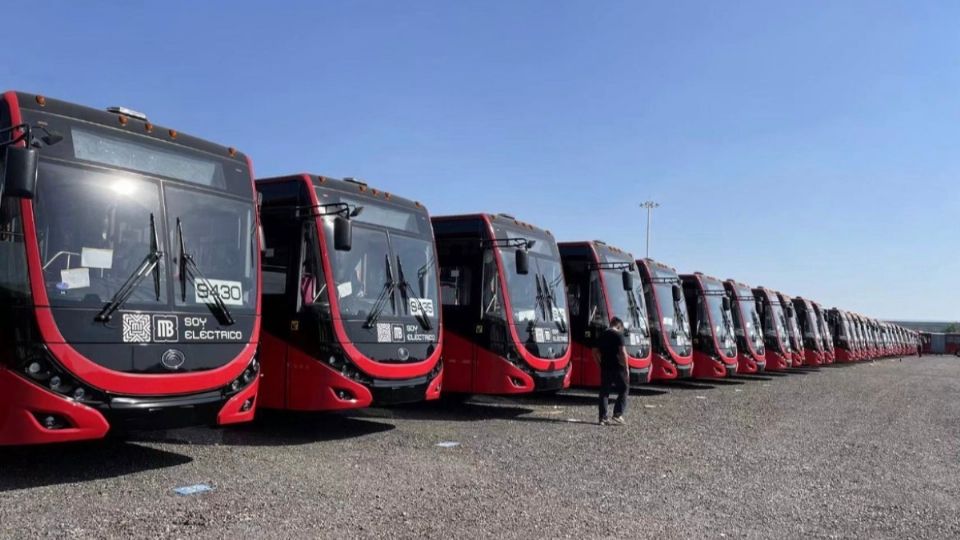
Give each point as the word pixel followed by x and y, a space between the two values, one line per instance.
pixel 188 267
pixel 386 292
pixel 405 294
pixel 551 298
pixel 148 265
pixel 635 313
pixel 541 299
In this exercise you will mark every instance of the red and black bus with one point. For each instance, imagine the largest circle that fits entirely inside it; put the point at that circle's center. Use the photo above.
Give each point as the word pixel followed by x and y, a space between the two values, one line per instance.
pixel 779 351
pixel 506 328
pixel 603 282
pixel 669 323
pixel 826 336
pixel 860 332
pixel 350 296
pixel 793 330
pixel 711 320
pixel 751 352
pixel 129 275
pixel 809 331
pixel 844 344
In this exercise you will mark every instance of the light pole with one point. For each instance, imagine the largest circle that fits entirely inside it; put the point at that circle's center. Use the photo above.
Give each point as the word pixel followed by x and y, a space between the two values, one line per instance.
pixel 649 205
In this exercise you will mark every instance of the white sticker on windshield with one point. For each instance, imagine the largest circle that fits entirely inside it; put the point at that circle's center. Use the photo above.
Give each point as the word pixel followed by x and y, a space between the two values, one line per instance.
pixel 230 292
pixel 96 258
pixel 75 278
pixel 668 321
pixel 344 289
pixel 421 306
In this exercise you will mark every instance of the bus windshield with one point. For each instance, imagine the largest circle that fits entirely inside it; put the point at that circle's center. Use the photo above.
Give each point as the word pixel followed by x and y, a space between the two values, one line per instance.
pixel 391 272
pixel 96 227
pixel 752 326
pixel 673 315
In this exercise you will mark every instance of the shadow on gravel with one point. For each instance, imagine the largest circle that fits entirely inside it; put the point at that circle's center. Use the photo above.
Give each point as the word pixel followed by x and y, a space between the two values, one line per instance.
pixel 31 467
pixel 273 428
pixel 844 365
pixel 747 378
pixel 726 382
pixel 456 411
pixel 683 385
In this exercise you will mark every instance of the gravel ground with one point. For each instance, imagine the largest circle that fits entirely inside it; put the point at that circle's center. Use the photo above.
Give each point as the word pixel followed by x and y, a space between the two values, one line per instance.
pixel 869 450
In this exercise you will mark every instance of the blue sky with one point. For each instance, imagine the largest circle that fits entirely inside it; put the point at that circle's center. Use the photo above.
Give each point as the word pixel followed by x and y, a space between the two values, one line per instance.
pixel 810 147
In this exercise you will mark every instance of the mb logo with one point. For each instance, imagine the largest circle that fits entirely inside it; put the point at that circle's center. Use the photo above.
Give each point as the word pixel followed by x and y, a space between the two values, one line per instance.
pixel 165 329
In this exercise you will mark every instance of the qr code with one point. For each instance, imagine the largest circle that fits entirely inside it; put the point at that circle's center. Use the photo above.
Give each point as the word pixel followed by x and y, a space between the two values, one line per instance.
pixel 384 332
pixel 136 328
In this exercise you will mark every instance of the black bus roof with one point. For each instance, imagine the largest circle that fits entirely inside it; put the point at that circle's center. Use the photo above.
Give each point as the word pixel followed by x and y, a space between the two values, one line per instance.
pixel 498 219
pixel 600 245
pixel 651 262
pixel 122 122
pixel 348 186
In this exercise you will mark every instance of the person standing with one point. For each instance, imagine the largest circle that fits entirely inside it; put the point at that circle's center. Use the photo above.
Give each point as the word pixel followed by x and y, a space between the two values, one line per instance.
pixel 614 372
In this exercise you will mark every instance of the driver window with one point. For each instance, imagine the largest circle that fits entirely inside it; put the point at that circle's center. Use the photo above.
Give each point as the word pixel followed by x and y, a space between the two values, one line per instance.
pixel 573 299
pixel 598 311
pixel 491 304
pixel 313 284
pixel 13 259
pixel 703 322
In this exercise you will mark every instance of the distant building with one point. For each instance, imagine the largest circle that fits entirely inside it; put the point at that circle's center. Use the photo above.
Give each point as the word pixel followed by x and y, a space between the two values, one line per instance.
pixel 931 327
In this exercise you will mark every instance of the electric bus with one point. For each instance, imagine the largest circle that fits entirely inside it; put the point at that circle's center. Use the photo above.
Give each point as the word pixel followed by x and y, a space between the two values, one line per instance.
pixel 809 331
pixel 861 336
pixel 711 320
pixel 826 336
pixel 350 296
pixel 844 348
pixel 793 330
pixel 506 325
pixel 751 353
pixel 779 353
pixel 669 323
pixel 129 277
pixel 603 282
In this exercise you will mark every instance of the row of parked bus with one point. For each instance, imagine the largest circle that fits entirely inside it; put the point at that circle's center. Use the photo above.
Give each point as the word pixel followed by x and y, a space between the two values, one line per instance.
pixel 148 282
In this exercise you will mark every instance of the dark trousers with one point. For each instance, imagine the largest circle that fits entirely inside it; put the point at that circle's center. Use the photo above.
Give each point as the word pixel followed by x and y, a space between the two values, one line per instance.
pixel 613 381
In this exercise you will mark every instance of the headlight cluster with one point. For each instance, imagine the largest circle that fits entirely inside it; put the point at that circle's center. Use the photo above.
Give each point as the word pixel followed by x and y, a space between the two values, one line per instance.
pixel 40 368
pixel 347 369
pixel 246 378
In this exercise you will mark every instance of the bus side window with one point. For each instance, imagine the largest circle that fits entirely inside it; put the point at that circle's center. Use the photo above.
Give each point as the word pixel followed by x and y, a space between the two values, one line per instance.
pixel 491 304
pixel 312 280
pixel 573 299
pixel 455 286
pixel 14 285
pixel 276 258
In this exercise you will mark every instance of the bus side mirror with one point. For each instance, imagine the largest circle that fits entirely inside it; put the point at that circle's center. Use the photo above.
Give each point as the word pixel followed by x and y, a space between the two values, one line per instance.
pixel 627 278
pixel 342 234
pixel 20 172
pixel 726 303
pixel 523 262
pixel 677 293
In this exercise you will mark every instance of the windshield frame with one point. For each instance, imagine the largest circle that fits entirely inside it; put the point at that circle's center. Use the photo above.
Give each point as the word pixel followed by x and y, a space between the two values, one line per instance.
pixel 164 222
pixel 611 277
pixel 712 292
pixel 746 300
pixel 661 282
